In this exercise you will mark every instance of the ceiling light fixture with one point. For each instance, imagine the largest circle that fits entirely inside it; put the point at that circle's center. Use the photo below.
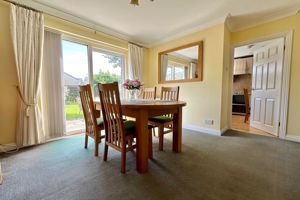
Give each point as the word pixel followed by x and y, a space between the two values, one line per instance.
pixel 136 2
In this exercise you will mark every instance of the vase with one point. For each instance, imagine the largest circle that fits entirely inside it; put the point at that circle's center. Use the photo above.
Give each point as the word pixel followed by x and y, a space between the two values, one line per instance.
pixel 133 94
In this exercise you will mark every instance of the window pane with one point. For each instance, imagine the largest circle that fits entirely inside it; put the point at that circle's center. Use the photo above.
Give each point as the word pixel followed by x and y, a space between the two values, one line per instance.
pixel 179 73
pixel 169 73
pixel 107 68
pixel 75 61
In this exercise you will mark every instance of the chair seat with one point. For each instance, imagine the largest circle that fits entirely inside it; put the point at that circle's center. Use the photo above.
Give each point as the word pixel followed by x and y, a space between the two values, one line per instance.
pixel 161 119
pixel 99 121
pixel 130 126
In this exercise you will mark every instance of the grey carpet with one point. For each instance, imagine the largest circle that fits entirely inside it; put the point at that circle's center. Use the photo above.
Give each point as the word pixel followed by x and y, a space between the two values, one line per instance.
pixel 236 166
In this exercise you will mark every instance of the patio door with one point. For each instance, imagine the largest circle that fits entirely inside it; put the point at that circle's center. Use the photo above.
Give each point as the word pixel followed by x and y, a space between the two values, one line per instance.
pixel 107 67
pixel 76 70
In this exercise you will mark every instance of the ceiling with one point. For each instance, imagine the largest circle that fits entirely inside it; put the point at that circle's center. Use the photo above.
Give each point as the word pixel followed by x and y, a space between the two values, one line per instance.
pixel 162 20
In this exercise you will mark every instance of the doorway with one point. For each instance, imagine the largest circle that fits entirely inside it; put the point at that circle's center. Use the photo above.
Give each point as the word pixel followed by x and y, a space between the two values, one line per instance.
pixel 257 84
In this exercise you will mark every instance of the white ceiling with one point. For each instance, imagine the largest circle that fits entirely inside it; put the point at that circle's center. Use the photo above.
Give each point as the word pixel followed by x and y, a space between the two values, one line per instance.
pixel 162 20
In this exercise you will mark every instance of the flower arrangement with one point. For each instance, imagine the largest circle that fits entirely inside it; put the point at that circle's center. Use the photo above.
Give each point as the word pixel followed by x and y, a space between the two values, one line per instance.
pixel 132 84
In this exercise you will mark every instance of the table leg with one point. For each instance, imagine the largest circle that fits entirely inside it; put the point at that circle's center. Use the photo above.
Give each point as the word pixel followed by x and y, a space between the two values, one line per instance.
pixel 142 141
pixel 177 131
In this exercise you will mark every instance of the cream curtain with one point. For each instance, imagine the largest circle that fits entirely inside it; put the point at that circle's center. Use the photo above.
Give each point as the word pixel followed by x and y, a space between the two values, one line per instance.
pixel 52 87
pixel 164 66
pixel 186 72
pixel 135 61
pixel 193 70
pixel 27 30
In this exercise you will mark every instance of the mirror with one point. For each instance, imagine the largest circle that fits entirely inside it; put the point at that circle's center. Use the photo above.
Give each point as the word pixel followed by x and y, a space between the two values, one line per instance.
pixel 181 64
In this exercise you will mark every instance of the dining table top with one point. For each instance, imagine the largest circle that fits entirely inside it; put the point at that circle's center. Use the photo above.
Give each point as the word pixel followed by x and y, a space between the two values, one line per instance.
pixel 149 104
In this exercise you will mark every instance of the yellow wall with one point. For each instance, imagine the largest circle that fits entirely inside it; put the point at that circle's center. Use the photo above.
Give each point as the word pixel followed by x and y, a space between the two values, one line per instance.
pixel 203 98
pixel 145 76
pixel 8 76
pixel 283 25
pixel 226 93
pixel 210 99
pixel 8 81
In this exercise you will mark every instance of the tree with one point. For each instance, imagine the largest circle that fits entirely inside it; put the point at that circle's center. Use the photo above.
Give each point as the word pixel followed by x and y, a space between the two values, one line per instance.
pixel 104 77
pixel 114 60
pixel 71 94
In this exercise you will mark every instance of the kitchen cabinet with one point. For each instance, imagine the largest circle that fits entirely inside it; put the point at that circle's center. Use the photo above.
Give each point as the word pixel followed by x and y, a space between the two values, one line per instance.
pixel 243 66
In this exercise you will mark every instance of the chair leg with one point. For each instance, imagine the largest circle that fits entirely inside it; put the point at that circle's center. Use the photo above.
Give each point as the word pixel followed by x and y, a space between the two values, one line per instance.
pixel 150 148
pixel 246 118
pixel 105 152
pixel 130 142
pixel 86 141
pixel 123 161
pixel 96 147
pixel 100 136
pixel 161 137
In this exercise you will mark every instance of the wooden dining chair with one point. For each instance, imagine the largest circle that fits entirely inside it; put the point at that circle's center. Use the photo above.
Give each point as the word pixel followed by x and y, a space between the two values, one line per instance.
pixel 93 121
pixel 165 121
pixel 119 134
pixel 247 105
pixel 149 93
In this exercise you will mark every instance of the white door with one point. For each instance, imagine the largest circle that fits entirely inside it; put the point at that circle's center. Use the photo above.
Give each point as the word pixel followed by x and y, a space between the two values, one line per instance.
pixel 266 87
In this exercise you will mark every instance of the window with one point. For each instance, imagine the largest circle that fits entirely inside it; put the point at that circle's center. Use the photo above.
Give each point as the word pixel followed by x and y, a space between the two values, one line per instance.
pixel 75 63
pixel 170 73
pixel 179 72
pixel 105 67
pixel 176 71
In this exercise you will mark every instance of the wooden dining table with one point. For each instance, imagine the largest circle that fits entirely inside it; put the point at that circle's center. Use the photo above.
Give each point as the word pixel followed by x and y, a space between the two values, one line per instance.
pixel 142 110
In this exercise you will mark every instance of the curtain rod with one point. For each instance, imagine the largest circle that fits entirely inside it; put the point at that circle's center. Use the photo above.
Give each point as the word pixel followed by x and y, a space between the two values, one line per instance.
pixel 69 34
pixel 136 44
pixel 85 26
pixel 22 5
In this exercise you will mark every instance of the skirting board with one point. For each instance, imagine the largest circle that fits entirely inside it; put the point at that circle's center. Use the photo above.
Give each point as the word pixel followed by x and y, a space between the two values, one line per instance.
pixel 8 147
pixel 293 138
pixel 205 130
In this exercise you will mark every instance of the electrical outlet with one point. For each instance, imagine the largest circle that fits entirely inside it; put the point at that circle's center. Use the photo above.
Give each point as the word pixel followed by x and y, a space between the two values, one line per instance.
pixel 209 122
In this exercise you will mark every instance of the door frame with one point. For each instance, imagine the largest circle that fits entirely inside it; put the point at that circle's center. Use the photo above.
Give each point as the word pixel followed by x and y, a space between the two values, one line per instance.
pixel 284 97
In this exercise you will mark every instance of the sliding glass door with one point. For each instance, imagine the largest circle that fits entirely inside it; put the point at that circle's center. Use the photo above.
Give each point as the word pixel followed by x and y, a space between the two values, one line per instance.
pixel 107 68
pixel 76 70
pixel 84 64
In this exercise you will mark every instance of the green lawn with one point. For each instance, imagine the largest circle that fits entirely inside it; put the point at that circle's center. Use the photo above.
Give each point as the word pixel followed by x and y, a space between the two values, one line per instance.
pixel 72 112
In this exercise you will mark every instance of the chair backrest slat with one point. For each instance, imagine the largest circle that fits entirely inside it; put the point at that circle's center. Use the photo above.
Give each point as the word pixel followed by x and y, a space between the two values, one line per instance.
pixel 88 108
pixel 169 93
pixel 112 114
pixel 149 93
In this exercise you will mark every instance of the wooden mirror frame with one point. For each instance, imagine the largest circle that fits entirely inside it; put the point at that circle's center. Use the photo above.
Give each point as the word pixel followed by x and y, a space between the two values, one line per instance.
pixel 200 63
